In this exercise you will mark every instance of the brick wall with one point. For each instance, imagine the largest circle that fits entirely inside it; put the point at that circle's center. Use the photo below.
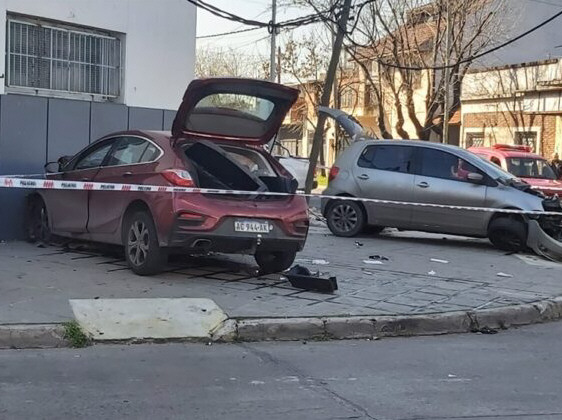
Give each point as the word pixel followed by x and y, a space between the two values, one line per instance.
pixel 501 127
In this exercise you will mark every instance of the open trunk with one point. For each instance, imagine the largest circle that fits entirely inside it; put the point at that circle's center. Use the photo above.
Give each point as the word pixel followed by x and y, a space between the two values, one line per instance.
pixel 236 168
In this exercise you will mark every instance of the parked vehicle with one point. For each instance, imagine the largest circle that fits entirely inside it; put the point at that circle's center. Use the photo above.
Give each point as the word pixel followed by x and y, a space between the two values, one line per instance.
pixel 519 161
pixel 297 166
pixel 216 142
pixel 433 174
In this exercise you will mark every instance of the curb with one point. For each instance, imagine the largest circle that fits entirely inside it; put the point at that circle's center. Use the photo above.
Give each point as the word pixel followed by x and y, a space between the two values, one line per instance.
pixel 29 336
pixel 366 327
pixel 32 336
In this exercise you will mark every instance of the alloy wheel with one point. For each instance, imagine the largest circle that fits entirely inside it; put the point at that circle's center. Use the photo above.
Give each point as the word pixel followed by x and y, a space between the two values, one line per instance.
pixel 44 231
pixel 344 217
pixel 138 243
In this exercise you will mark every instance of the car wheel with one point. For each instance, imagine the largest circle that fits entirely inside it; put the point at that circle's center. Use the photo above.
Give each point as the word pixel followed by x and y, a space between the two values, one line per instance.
pixel 142 251
pixel 346 218
pixel 508 234
pixel 274 261
pixel 38 228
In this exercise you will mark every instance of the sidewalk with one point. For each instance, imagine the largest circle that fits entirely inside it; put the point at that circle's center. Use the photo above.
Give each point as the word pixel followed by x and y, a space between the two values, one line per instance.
pixel 467 275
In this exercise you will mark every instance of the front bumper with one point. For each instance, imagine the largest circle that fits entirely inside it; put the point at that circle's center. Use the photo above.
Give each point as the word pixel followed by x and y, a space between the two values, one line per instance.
pixel 223 238
pixel 542 243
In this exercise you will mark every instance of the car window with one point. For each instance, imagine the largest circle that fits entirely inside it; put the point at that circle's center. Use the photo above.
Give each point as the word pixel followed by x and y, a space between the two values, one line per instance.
pixel 387 158
pixel 530 168
pixel 94 158
pixel 439 164
pixel 128 151
pixel 150 154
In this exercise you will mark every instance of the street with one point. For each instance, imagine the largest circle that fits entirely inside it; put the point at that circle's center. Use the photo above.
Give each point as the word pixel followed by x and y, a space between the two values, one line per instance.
pixel 512 375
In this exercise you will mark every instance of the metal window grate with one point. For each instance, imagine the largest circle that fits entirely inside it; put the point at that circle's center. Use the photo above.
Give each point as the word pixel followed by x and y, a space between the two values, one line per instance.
pixel 57 59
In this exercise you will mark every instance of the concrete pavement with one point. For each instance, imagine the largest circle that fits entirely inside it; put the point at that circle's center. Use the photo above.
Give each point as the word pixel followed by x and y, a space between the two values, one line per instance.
pixel 398 274
pixel 508 376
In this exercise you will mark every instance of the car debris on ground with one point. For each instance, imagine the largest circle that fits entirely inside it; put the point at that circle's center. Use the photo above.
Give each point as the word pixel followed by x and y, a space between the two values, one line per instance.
pixel 301 278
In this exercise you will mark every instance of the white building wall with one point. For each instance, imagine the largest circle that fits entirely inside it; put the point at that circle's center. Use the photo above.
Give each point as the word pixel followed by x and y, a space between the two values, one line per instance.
pixel 159 41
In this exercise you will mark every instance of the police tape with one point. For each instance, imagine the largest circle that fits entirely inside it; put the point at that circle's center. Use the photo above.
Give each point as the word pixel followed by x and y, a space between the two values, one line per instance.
pixel 50 184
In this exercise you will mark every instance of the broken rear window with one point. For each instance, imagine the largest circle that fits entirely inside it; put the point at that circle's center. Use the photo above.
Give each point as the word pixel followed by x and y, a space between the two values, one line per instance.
pixel 253 106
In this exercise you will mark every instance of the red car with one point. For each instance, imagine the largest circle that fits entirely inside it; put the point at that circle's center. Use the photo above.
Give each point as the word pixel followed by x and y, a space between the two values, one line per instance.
pixel 216 142
pixel 519 161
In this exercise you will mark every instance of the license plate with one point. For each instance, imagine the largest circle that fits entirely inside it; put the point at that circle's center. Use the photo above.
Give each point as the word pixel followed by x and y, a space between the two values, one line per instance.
pixel 251 226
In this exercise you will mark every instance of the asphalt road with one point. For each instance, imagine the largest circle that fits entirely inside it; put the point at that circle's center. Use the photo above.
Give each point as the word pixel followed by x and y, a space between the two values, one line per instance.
pixel 512 375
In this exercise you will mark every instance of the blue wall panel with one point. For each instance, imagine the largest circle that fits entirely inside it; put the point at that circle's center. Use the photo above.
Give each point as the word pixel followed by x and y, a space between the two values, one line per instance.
pixel 169 119
pixel 145 119
pixel 23 150
pixel 107 118
pixel 69 127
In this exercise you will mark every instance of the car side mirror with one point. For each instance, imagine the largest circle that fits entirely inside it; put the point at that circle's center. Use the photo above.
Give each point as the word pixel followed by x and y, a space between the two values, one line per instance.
pixel 475 177
pixel 64 160
pixel 52 167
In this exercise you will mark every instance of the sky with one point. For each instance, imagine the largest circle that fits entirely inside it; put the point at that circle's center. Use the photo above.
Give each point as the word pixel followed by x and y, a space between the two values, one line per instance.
pixel 251 43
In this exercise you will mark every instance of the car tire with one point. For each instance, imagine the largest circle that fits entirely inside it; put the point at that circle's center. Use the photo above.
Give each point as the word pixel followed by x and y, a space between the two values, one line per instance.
pixel 140 240
pixel 274 261
pixel 37 223
pixel 508 234
pixel 346 218
pixel 373 229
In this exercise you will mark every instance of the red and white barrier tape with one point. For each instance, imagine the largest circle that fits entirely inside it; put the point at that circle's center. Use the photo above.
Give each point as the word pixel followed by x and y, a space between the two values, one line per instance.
pixel 48 184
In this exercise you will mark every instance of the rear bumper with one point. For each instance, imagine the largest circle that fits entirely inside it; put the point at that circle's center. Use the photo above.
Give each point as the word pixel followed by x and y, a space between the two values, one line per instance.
pixel 223 238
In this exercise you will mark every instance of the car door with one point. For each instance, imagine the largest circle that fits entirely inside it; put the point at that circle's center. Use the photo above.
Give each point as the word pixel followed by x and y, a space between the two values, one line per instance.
pixel 384 172
pixel 131 161
pixel 442 178
pixel 69 208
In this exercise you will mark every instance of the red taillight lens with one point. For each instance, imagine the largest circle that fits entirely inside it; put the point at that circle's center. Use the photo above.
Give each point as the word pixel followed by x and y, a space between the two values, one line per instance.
pixel 179 178
pixel 333 173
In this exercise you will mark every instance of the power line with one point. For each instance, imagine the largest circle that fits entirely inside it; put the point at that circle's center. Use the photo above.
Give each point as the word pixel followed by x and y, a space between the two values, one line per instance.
pixel 291 23
pixel 467 60
pixel 228 33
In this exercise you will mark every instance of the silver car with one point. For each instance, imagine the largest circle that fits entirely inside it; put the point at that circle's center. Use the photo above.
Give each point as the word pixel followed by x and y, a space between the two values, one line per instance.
pixel 403 172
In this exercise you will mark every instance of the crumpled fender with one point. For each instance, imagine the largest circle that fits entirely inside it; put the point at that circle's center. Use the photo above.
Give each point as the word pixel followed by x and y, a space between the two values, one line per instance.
pixel 543 244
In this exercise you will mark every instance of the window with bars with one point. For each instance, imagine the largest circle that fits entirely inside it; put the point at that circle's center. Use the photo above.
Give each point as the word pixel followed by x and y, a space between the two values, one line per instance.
pixel 46 57
pixel 527 138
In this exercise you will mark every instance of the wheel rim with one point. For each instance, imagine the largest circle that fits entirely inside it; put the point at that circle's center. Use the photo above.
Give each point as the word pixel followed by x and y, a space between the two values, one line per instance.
pixel 44 225
pixel 138 243
pixel 344 217
pixel 40 230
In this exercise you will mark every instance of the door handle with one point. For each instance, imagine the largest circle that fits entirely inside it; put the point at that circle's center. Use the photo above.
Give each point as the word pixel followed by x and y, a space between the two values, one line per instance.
pixel 127 174
pixel 423 185
pixel 363 177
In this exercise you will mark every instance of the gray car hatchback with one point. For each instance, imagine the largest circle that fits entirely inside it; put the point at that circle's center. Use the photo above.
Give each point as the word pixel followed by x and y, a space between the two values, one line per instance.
pixel 401 172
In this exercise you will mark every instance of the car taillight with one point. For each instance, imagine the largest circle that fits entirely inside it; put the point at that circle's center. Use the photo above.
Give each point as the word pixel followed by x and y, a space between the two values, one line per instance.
pixel 179 178
pixel 333 173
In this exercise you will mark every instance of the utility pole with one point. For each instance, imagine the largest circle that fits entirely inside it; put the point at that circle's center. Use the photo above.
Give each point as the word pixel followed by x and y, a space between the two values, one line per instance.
pixel 279 65
pixel 327 93
pixel 336 90
pixel 446 82
pixel 272 65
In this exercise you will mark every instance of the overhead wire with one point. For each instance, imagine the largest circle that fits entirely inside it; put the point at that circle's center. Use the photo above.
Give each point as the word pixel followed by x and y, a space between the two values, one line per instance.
pixel 451 66
pixel 325 16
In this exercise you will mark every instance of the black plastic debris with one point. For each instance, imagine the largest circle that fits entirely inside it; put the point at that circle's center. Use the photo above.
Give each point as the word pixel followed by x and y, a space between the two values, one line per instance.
pixel 358 244
pixel 378 258
pixel 301 278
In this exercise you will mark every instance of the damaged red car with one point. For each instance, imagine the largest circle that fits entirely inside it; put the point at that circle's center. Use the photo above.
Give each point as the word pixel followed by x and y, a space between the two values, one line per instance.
pixel 216 142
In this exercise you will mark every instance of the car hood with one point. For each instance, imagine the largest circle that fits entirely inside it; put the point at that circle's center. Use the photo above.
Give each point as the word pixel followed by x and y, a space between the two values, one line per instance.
pixel 348 123
pixel 229 109
pixel 550 185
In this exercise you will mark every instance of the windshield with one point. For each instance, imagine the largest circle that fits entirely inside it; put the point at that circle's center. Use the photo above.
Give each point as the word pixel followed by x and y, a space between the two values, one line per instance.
pixel 494 170
pixel 530 168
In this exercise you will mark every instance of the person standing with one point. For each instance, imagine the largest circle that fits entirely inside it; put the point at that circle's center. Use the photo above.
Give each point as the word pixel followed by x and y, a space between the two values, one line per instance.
pixel 556 164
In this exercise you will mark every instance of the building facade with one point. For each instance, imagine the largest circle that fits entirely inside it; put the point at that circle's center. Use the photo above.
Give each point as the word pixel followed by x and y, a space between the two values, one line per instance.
pixel 517 104
pixel 76 70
